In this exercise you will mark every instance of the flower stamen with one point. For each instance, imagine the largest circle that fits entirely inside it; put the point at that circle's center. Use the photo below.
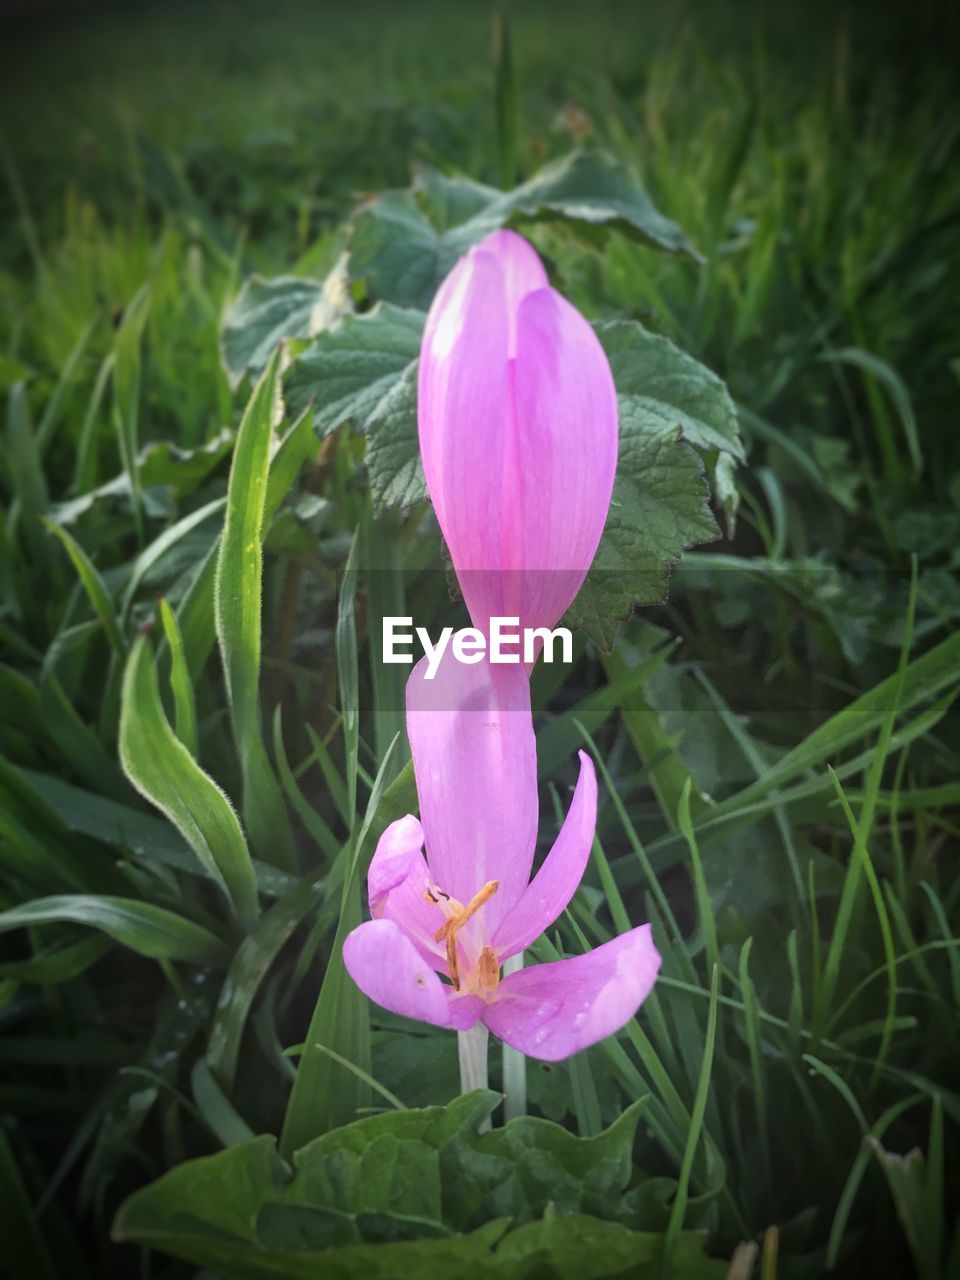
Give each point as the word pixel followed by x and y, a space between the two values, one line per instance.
pixel 457 916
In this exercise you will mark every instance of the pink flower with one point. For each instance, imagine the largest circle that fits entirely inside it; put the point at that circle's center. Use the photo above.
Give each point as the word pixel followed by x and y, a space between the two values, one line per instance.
pixel 470 904
pixel 518 433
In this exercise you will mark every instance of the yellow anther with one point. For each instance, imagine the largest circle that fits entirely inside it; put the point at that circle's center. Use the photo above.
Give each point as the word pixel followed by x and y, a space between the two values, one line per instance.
pixel 457 916
pixel 465 913
pixel 488 969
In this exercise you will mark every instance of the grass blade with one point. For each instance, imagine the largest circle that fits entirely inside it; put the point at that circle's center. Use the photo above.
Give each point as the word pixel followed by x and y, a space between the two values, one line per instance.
pixel 238 604
pixel 163 770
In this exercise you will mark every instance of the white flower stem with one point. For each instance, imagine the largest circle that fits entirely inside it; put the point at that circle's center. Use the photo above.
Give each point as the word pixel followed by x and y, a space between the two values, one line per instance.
pixel 514 1064
pixel 472 1046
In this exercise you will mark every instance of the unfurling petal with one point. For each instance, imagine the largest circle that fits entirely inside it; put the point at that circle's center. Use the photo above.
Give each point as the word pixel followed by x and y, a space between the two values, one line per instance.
pixel 396 883
pixel 556 882
pixel 553 1010
pixel 475 760
pixel 389 970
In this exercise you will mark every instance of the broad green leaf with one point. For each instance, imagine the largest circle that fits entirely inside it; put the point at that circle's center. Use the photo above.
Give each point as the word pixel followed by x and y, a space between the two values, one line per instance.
pixel 659 505
pixel 347 371
pixel 405 242
pixel 591 188
pixel 394 466
pixel 238 595
pixel 150 930
pixel 406 1181
pixel 267 311
pixel 162 769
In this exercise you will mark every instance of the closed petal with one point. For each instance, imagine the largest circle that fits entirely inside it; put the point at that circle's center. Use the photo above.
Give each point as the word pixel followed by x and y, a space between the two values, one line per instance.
pixel 556 882
pixel 522 272
pixel 462 406
pixel 474 755
pixel 389 970
pixel 565 451
pixel 396 884
pixel 551 1011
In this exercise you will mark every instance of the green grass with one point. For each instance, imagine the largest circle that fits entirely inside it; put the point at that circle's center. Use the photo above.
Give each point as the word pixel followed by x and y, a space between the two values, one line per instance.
pixel 777 743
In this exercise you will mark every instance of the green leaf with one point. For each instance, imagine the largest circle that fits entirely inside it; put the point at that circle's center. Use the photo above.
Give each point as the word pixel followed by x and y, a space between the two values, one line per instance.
pixel 57 964
pixel 26 474
pixel 247 971
pixel 151 555
pixel 896 388
pixel 347 371
pixel 185 710
pixel 405 242
pixel 324 1093
pixel 128 391
pixel 23 1249
pixel 659 505
pixel 393 458
pixel 147 929
pixel 94 586
pixel 162 769
pixel 264 313
pixel 405 1181
pixel 77 742
pixel 141 834
pixel 592 188
pixel 166 471
pixel 238 596
pixel 218 1112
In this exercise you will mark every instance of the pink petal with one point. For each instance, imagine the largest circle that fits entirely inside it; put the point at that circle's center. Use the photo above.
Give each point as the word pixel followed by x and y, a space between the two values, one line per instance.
pixel 396 883
pixel 522 271
pixel 565 455
pixel 387 968
pixel 461 408
pixel 556 882
pixel 474 754
pixel 518 433
pixel 553 1010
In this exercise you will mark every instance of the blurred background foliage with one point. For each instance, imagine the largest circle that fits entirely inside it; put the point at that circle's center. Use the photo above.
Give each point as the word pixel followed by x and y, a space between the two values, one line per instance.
pixel 154 159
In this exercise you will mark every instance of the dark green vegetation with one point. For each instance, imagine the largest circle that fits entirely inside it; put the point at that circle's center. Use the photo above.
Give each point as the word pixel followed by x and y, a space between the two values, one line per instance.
pixel 777 747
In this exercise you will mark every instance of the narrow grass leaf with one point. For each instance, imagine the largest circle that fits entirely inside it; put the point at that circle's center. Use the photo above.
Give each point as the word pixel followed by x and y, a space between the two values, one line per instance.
pixel 163 770
pixel 147 929
pixel 238 604
pixel 184 704
pixel 93 585
pixel 247 971
pixel 679 1207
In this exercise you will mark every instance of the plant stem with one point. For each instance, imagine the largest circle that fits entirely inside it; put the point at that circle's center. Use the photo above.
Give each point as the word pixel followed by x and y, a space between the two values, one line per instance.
pixel 514 1065
pixel 472 1046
